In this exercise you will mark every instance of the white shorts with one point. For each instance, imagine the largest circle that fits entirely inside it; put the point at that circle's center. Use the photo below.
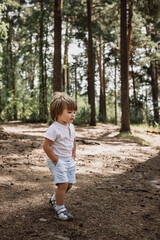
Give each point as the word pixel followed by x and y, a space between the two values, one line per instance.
pixel 64 171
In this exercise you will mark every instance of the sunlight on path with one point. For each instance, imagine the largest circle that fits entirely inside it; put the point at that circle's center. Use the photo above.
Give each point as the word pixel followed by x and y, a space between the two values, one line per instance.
pixel 117 176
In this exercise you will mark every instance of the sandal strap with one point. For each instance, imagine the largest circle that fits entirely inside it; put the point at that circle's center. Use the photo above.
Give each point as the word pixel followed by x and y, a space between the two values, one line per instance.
pixel 62 210
pixel 63 214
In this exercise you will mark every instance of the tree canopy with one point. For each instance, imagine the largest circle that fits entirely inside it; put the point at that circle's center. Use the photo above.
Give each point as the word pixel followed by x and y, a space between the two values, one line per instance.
pixel 78 47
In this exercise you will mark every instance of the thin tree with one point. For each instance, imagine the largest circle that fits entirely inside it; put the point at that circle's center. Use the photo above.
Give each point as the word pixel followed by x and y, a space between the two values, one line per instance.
pixel 91 90
pixel 57 75
pixel 154 65
pixel 133 80
pixel 42 80
pixel 129 36
pixel 75 82
pixel 104 86
pixel 125 121
pixel 10 74
pixel 102 101
pixel 66 82
pixel 154 85
pixel 115 88
pixel 41 66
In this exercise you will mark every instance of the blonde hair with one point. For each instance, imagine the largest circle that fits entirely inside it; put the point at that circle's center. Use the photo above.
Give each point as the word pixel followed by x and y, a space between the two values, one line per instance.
pixel 59 103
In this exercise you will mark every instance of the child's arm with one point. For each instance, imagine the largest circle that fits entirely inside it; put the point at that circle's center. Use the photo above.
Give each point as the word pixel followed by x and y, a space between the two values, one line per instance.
pixel 48 150
pixel 74 149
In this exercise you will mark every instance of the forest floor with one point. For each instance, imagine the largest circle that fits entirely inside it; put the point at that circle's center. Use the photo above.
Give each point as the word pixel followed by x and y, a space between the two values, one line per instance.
pixel 116 197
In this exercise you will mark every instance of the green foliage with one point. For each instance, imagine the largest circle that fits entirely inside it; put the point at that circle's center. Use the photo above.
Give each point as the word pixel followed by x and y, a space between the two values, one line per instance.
pixel 19 56
pixel 7 113
pixel 141 113
pixel 83 113
pixel 3 25
pixel 28 109
pixel 110 107
pixel 136 114
pixel 145 128
pixel 133 138
pixel 101 118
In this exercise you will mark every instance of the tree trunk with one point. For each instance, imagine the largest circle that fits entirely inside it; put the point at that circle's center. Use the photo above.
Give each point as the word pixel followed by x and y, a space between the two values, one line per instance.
pixel 115 91
pixel 102 101
pixel 66 84
pixel 146 106
pixel 91 90
pixel 104 89
pixel 154 84
pixel 32 67
pixel 153 72
pixel 7 62
pixel 125 124
pixel 45 75
pixel 13 83
pixel 134 84
pixel 130 16
pixel 76 83
pixel 11 74
pixel 57 75
pixel 42 116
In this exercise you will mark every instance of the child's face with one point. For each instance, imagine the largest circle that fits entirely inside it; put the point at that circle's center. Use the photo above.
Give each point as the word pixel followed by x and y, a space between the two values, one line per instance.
pixel 67 116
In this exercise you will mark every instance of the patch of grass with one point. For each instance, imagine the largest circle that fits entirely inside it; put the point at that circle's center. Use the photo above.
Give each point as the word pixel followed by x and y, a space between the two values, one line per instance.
pixel 133 138
pixel 145 127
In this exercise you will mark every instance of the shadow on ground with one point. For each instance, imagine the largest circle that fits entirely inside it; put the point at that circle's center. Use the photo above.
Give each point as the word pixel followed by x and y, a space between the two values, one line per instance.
pixel 120 206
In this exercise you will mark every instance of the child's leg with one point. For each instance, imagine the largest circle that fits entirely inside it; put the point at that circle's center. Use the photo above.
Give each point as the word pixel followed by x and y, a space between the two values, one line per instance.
pixel 69 187
pixel 52 200
pixel 61 190
pixel 60 210
pixel 53 197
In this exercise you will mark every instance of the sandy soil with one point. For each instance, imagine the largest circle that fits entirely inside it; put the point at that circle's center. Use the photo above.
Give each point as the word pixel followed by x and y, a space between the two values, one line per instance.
pixel 117 194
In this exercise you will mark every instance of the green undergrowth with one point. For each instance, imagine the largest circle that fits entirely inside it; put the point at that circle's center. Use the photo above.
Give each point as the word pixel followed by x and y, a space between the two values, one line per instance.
pixel 133 138
pixel 140 132
pixel 145 128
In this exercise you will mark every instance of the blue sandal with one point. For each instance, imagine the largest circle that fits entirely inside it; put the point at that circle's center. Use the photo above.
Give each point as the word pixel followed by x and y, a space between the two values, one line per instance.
pixel 63 215
pixel 52 203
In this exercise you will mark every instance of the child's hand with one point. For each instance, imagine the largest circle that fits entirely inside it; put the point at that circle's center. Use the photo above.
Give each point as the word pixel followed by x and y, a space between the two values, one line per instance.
pixel 74 156
pixel 55 162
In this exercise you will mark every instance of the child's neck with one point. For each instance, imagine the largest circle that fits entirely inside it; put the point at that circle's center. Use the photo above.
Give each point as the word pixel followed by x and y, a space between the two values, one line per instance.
pixel 62 122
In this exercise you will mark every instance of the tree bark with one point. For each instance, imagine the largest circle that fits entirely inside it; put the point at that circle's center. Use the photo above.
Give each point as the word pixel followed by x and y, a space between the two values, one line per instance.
pixel 125 122
pixel 154 84
pixel 66 83
pixel 76 83
pixel 32 67
pixel 104 89
pixel 91 90
pixel 42 83
pixel 57 75
pixel 153 69
pixel 115 90
pixel 102 101
pixel 130 16
pixel 134 84
pixel 45 75
pixel 11 73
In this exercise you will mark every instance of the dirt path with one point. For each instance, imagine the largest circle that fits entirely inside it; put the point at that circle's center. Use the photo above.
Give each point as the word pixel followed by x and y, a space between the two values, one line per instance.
pixel 117 194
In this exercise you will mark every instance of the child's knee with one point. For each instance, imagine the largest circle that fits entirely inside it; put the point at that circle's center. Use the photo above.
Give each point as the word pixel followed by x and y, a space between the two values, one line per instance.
pixel 62 186
pixel 69 186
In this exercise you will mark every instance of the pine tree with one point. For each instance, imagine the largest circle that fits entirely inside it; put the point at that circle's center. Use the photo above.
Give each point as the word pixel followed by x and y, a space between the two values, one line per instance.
pixel 125 124
pixel 57 75
pixel 91 90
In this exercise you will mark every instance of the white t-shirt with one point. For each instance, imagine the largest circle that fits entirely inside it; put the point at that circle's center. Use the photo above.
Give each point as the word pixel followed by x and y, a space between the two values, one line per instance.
pixel 63 139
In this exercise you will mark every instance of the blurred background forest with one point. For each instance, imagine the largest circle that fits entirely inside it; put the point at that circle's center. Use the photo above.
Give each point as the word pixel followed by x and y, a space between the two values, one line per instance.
pixel 79 47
